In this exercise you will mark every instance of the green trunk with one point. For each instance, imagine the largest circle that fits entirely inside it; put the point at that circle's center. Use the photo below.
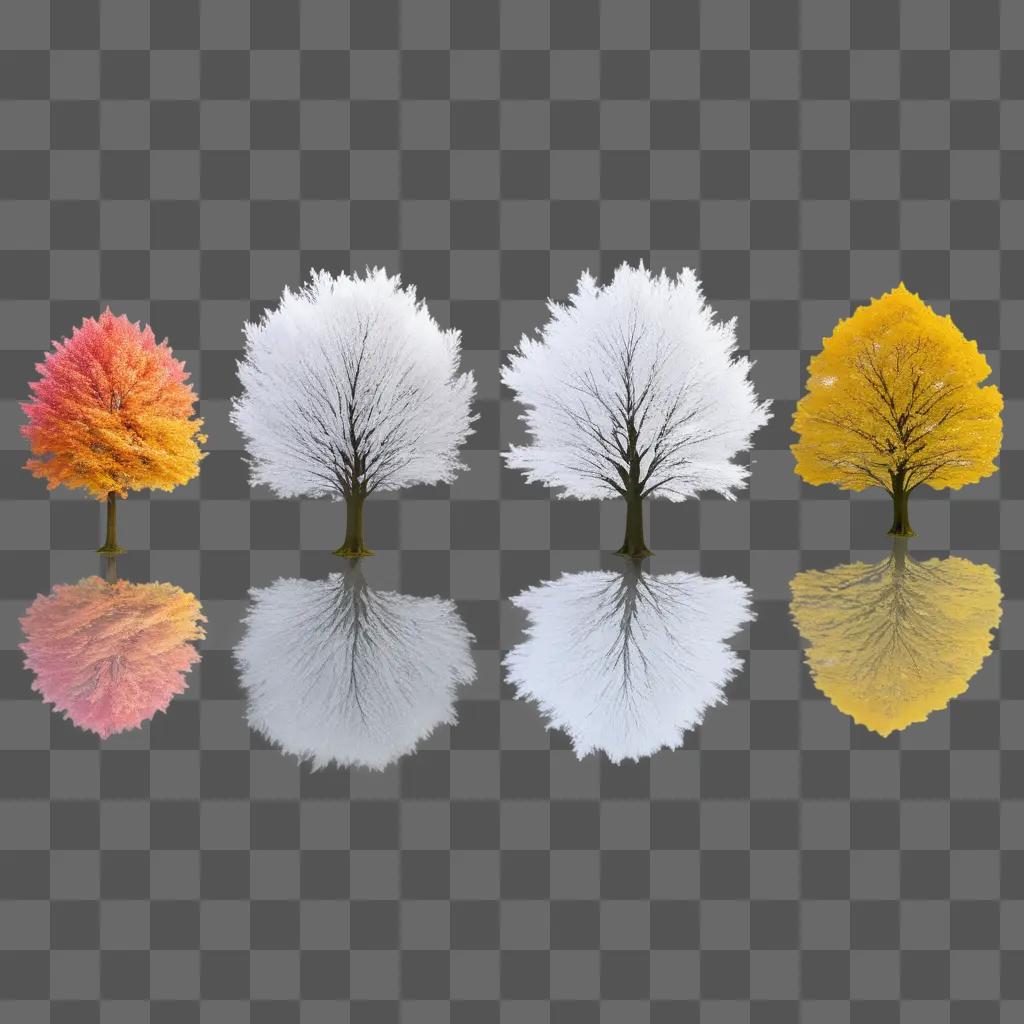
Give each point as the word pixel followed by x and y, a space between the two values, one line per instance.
pixel 900 515
pixel 110 546
pixel 354 547
pixel 634 545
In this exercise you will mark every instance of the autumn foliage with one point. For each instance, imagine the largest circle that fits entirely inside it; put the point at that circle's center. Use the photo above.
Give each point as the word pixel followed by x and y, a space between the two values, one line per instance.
pixel 894 401
pixel 890 643
pixel 111 412
pixel 111 655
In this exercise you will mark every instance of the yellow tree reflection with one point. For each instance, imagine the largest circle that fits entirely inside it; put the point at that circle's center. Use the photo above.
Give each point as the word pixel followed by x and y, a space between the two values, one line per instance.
pixel 892 642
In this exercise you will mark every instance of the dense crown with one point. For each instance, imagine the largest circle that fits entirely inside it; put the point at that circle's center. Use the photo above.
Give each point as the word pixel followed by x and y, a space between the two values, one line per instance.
pixel 336 671
pixel 892 642
pixel 627 661
pixel 111 655
pixel 111 412
pixel 635 376
pixel 350 386
pixel 895 390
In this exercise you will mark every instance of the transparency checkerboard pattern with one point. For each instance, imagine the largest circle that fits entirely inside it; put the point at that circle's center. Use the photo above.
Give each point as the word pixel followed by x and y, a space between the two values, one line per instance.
pixel 183 161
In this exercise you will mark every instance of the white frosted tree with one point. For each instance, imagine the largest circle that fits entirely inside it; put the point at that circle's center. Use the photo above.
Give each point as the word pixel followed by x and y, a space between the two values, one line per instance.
pixel 349 386
pixel 633 390
pixel 626 662
pixel 336 671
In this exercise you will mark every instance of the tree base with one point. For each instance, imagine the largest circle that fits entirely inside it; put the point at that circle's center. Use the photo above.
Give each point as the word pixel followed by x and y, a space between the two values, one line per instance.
pixel 903 531
pixel 109 549
pixel 344 552
pixel 634 552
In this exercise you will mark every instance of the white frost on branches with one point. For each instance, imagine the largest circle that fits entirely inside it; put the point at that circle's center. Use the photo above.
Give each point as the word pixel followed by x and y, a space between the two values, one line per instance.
pixel 350 385
pixel 336 671
pixel 640 370
pixel 626 661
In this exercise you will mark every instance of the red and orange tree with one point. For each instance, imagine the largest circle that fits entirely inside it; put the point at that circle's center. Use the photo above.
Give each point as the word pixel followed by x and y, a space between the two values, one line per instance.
pixel 112 413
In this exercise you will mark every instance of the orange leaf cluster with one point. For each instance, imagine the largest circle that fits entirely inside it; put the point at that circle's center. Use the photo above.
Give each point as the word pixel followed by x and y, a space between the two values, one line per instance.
pixel 112 412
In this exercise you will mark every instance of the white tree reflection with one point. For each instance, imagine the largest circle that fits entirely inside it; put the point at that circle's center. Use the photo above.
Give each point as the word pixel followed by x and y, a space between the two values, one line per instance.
pixel 626 661
pixel 336 671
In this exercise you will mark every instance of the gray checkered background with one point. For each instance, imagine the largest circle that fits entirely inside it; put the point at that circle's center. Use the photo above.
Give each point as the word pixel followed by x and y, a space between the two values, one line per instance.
pixel 182 162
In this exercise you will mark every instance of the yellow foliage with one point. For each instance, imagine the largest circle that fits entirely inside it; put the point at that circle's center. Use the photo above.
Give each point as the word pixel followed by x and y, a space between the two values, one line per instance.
pixel 892 642
pixel 893 401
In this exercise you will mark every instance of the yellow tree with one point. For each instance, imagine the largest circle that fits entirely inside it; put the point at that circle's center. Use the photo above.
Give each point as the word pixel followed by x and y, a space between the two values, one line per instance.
pixel 893 401
pixel 891 642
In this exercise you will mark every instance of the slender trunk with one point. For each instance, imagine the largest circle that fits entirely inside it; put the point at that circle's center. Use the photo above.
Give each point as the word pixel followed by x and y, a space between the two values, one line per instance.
pixel 900 515
pixel 354 547
pixel 110 568
pixel 110 546
pixel 634 545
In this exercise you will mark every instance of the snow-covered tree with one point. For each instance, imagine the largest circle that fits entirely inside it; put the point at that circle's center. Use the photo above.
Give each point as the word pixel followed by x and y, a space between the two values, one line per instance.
pixel 350 387
pixel 336 671
pixel 633 390
pixel 626 662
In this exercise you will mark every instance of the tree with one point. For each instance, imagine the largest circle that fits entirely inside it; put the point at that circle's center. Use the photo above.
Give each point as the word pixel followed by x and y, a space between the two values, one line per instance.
pixel 634 391
pixel 336 671
pixel 111 655
pixel 350 387
pixel 893 401
pixel 890 643
pixel 111 413
pixel 626 662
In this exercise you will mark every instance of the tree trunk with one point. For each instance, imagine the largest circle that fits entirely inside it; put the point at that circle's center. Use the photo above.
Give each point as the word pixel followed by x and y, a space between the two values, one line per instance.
pixel 634 545
pixel 354 547
pixel 110 568
pixel 110 546
pixel 900 515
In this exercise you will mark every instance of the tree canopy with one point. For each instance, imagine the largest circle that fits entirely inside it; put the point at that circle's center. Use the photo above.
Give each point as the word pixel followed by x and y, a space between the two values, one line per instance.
pixel 634 390
pixel 893 401
pixel 349 387
pixel 111 412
